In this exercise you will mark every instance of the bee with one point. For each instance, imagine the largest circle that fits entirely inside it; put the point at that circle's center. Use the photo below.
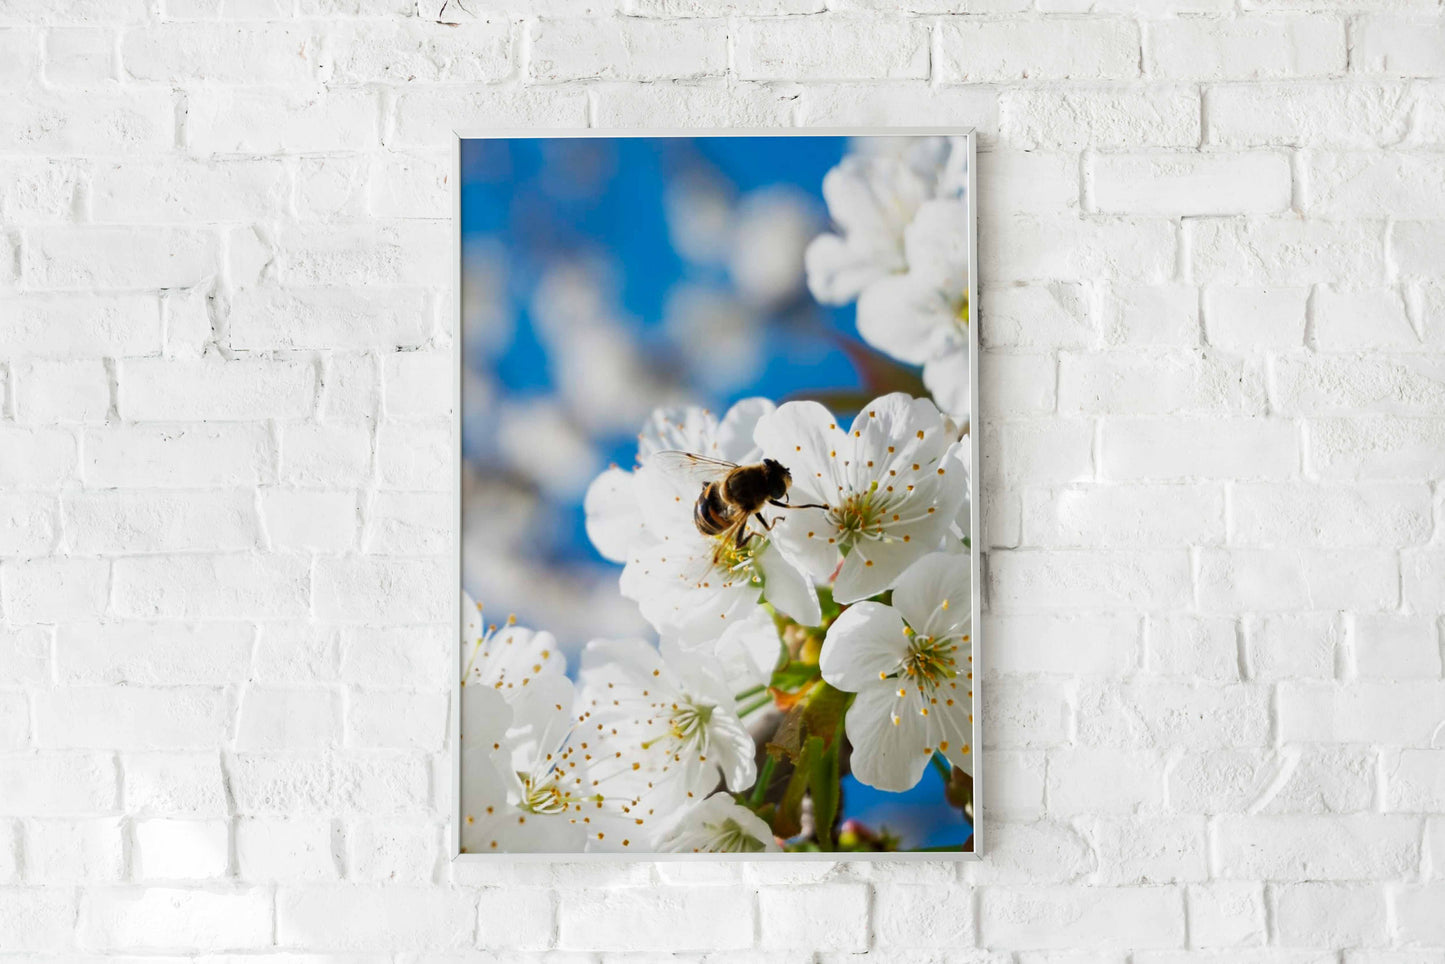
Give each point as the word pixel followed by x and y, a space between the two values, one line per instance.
pixel 732 495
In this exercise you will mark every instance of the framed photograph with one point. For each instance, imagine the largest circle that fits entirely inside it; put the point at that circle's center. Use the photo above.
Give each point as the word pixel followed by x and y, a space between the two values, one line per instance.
pixel 718 586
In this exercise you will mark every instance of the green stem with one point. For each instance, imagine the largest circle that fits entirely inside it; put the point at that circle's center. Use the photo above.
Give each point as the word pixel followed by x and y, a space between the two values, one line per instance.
pixel 750 692
pixel 765 776
pixel 756 705
pixel 941 765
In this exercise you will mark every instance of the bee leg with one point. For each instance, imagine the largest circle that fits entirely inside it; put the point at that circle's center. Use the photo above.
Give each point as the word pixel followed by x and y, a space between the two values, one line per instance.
pixel 743 537
pixel 767 526
pixel 789 505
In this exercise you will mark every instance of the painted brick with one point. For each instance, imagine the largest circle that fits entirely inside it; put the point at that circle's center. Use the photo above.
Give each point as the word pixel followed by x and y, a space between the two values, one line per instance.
pixel 994 50
pixel 1284 251
pixel 66 325
pixel 249 53
pixel 1403 713
pixel 1190 184
pixel 629 49
pixel 402 52
pixel 656 918
pixel 288 849
pixel 1400 46
pixel 1287 848
pixel 1323 113
pixel 1103 917
pixel 151 653
pixel 153 520
pixel 49 783
pixel 1252 46
pixel 132 717
pixel 217 587
pixel 109 257
pixel 175 919
pixel 61 391
pixel 181 849
pixel 264 319
pixel 1165 449
pixel 238 390
pixel 832 47
pixel 238 120
pixel 177 455
pixel 835 916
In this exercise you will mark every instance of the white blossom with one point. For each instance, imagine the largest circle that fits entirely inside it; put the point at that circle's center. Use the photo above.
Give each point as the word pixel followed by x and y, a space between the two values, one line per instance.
pixel 921 316
pixel 507 660
pixel 718 825
pixel 892 485
pixel 689 585
pixel 911 665
pixel 672 719
pixel 525 790
pixel 872 198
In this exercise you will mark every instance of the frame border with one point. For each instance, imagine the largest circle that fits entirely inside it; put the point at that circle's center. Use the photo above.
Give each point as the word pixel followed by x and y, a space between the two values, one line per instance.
pixel 453 736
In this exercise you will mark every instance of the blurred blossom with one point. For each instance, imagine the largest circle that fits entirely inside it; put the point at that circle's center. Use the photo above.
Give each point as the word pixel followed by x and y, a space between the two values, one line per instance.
pixel 921 316
pixel 479 398
pixel 941 160
pixel 717 336
pixel 573 602
pixel 577 167
pixel 699 216
pixel 488 321
pixel 607 381
pixel 597 361
pixel 773 228
pixel 541 441
pixel 501 512
pixel 872 198
pixel 571 293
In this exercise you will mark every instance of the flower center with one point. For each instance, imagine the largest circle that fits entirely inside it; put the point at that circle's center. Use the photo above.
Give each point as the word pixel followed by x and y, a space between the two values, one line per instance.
pixel 545 794
pixel 734 560
pixel 930 662
pixel 730 838
pixel 960 310
pixel 861 516
pixel 689 723
pixel 686 727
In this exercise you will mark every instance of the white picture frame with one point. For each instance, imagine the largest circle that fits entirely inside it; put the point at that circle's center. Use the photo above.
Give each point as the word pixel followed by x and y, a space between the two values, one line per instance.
pixel 453 748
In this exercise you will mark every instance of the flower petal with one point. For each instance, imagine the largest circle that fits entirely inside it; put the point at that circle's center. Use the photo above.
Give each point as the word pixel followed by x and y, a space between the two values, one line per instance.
pixel 947 378
pixel 735 432
pixel 936 243
pixel 682 428
pixel 806 439
pixel 864 644
pixel 790 592
pixel 889 736
pixel 906 316
pixel 747 651
pixel 731 748
pixel 838 271
pixel 874 565
pixel 614 517
pixel 807 539
pixel 934 595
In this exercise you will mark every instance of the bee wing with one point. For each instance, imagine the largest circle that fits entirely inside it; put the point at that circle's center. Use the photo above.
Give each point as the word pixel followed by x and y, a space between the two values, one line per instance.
pixel 697 469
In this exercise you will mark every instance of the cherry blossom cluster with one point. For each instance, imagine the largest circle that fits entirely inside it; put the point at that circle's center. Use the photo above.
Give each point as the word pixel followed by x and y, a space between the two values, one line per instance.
pixel 856 592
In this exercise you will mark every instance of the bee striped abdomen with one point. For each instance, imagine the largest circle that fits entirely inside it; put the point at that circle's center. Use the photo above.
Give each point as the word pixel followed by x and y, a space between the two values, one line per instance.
pixel 711 513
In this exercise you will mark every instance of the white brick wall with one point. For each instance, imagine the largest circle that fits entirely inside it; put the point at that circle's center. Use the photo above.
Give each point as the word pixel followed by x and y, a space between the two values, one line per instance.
pixel 1213 286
